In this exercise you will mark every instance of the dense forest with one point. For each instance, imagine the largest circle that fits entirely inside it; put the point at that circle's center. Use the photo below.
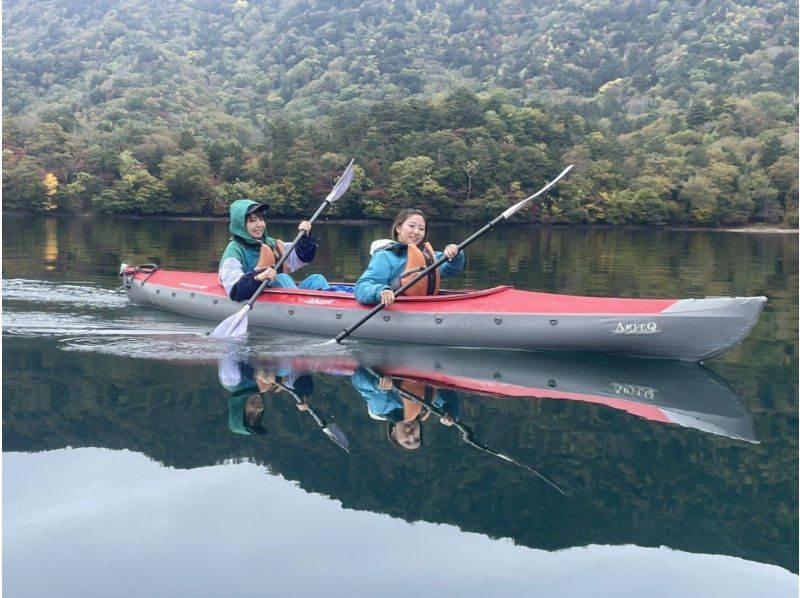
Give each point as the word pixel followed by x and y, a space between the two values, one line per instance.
pixel 681 113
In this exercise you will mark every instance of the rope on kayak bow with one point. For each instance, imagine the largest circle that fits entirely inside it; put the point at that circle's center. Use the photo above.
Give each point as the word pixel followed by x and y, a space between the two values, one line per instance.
pixel 129 273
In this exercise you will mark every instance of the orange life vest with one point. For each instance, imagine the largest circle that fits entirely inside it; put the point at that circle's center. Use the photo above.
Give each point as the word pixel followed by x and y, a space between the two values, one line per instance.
pixel 412 409
pixel 268 256
pixel 417 260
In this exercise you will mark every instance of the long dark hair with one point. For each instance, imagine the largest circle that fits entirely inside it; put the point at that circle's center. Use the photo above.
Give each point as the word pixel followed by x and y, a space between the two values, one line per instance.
pixel 405 215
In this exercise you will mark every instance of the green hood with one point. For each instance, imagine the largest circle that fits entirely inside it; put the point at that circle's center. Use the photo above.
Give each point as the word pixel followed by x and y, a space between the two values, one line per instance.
pixel 236 408
pixel 244 247
pixel 237 226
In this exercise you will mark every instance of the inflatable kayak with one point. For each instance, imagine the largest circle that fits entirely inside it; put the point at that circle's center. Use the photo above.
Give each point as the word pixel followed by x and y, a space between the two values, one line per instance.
pixel 500 317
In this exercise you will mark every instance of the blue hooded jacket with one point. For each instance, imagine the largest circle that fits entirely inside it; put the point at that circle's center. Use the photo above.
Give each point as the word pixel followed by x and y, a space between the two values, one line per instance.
pixel 388 404
pixel 386 266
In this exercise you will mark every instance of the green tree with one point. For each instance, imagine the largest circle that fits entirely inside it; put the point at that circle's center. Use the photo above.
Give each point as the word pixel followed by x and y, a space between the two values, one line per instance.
pixel 137 192
pixel 487 206
pixel 108 202
pixel 188 178
pixel 230 169
pixel 699 195
pixel 638 207
pixel 461 109
pixel 227 193
pixel 153 149
pixel 411 184
pixel 299 166
pixel 75 196
pixel 219 151
pixel 698 114
pixel 784 177
pixel 766 205
pixel 284 199
pixel 350 204
pixel 263 95
pixel 771 150
pixel 23 186
pixel 142 192
pixel 187 140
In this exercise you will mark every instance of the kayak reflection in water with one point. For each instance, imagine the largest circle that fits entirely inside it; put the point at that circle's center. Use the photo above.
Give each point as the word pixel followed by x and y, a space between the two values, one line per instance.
pixel 247 387
pixel 404 417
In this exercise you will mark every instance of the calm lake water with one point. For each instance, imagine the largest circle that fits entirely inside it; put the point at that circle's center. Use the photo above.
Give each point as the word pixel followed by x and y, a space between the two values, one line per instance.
pixel 124 474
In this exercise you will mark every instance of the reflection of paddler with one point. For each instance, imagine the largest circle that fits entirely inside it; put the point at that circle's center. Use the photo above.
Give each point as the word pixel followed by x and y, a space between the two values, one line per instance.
pixel 404 417
pixel 246 385
pixel 466 433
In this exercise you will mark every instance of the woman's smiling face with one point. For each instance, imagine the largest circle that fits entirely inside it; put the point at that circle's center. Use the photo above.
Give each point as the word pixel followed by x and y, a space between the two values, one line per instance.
pixel 407 434
pixel 255 224
pixel 412 230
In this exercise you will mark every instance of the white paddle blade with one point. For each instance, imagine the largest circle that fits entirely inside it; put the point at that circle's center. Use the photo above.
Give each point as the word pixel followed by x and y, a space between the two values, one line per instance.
pixel 235 325
pixel 518 206
pixel 336 434
pixel 342 184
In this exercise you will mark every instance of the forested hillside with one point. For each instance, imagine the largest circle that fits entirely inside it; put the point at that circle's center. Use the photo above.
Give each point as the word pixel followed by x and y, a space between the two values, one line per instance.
pixel 679 112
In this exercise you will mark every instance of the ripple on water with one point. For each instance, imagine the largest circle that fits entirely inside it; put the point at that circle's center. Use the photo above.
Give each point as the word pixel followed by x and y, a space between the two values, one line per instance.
pixel 156 345
pixel 84 317
pixel 56 324
pixel 41 291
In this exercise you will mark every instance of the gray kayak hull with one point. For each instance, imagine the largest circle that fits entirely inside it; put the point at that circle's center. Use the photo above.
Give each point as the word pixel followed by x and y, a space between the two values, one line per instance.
pixel 686 329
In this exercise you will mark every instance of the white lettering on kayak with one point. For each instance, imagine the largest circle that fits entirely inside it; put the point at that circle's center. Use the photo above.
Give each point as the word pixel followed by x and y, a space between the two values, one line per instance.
pixel 192 286
pixel 633 390
pixel 318 301
pixel 637 328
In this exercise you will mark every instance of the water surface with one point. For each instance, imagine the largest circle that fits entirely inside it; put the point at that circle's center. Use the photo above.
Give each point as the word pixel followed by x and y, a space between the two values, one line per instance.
pixel 123 475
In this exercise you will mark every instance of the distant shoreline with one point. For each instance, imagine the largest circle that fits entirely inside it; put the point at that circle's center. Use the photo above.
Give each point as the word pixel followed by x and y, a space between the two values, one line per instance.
pixel 748 228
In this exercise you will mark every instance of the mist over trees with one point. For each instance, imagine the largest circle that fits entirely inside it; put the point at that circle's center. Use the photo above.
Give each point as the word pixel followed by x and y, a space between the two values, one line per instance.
pixel 674 112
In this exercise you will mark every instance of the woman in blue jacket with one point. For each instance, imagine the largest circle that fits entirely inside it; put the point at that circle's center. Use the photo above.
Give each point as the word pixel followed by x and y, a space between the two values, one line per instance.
pixel 395 262
pixel 404 417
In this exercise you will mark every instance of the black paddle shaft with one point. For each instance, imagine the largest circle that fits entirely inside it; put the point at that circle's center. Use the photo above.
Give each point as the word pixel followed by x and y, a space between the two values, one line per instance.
pixel 286 254
pixel 297 399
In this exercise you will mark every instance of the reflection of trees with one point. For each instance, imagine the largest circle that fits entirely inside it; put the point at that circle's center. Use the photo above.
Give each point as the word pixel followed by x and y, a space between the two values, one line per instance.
pixel 602 261
pixel 628 480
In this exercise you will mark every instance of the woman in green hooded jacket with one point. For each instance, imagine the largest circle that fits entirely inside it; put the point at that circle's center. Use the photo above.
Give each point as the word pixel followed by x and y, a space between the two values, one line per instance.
pixel 239 273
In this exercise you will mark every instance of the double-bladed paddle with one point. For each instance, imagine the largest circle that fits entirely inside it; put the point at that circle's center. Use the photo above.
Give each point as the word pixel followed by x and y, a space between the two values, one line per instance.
pixel 236 325
pixel 501 218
